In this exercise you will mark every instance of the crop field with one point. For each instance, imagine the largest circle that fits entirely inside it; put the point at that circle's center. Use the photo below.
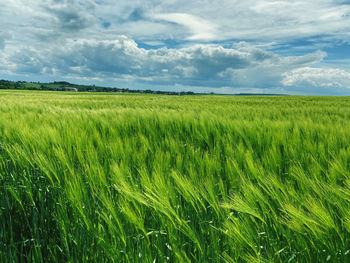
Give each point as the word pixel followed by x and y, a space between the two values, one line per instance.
pixel 150 178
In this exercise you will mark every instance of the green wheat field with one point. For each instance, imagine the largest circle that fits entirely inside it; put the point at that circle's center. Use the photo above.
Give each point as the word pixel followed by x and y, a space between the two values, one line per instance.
pixel 150 178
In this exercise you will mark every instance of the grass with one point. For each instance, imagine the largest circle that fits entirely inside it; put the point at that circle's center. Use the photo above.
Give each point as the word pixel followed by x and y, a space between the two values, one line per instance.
pixel 145 178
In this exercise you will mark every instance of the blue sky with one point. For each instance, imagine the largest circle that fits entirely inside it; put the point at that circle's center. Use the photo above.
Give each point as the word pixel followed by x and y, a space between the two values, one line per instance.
pixel 223 46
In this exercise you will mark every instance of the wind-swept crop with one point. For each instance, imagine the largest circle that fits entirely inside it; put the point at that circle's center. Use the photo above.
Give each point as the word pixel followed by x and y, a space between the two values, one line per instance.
pixel 146 178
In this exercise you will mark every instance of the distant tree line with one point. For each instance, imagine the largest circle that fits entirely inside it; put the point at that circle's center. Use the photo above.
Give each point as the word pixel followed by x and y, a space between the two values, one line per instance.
pixel 64 86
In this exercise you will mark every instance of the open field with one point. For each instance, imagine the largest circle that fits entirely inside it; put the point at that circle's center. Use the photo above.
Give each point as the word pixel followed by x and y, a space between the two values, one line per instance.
pixel 146 178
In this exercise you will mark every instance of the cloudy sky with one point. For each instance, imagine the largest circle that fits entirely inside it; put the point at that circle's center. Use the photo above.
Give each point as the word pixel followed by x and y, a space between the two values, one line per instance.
pixel 224 46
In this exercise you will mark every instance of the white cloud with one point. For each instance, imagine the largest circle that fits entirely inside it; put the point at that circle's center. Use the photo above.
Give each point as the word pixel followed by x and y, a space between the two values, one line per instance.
pixel 203 20
pixel 317 78
pixel 199 28
pixel 243 66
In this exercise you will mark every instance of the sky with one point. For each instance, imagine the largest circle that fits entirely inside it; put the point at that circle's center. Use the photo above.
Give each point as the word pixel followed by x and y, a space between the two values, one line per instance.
pixel 222 46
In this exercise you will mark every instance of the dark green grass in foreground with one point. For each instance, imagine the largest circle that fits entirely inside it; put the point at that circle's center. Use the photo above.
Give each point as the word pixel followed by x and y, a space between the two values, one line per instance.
pixel 142 178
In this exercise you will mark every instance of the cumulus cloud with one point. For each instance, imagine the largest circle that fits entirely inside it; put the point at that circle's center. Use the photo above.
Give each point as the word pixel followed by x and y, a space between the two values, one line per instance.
pixel 241 66
pixel 317 78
